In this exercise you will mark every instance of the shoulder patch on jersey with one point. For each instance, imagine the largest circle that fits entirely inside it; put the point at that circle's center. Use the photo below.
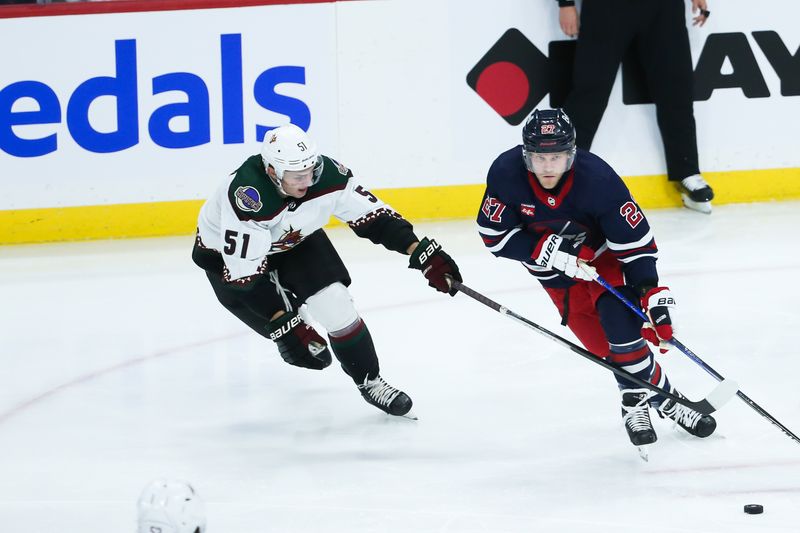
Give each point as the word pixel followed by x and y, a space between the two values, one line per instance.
pixel 334 177
pixel 250 193
pixel 248 198
pixel 343 170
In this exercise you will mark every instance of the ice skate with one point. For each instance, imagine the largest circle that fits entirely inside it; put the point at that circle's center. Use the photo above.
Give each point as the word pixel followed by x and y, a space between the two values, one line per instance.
pixel 696 193
pixel 693 422
pixel 385 397
pixel 636 415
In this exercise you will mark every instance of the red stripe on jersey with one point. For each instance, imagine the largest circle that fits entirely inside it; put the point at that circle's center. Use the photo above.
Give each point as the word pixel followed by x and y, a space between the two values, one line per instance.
pixel 263 218
pixel 547 198
pixel 631 356
pixel 491 241
pixel 649 247
pixel 322 192
pixel 656 375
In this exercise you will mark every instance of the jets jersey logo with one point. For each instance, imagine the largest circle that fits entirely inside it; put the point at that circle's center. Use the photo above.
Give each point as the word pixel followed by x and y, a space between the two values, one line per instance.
pixel 248 199
pixel 289 239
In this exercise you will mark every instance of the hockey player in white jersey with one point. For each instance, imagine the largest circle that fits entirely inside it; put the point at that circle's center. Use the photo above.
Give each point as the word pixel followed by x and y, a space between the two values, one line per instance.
pixel 260 241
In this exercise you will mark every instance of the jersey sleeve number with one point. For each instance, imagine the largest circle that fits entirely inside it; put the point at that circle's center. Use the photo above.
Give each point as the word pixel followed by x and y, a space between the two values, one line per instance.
pixel 493 209
pixel 364 192
pixel 231 243
pixel 630 212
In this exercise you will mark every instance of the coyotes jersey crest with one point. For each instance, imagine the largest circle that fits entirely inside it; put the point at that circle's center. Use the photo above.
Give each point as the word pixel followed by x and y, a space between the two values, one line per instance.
pixel 289 239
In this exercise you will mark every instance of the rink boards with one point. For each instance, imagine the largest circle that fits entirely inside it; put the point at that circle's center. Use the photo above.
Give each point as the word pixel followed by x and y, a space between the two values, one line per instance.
pixel 118 123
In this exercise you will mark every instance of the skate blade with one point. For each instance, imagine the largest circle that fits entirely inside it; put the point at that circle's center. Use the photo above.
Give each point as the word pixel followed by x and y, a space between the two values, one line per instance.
pixel 700 207
pixel 410 415
pixel 643 453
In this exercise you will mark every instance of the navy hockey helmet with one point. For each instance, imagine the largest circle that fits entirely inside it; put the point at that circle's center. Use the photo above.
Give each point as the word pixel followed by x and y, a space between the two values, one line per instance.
pixel 548 131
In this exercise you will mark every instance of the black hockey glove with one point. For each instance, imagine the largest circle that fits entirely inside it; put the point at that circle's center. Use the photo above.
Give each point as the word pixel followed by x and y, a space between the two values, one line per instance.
pixel 435 265
pixel 298 343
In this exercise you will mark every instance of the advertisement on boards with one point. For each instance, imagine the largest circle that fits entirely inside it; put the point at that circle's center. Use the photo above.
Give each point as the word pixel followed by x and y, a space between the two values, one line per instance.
pixel 121 108
pixel 137 107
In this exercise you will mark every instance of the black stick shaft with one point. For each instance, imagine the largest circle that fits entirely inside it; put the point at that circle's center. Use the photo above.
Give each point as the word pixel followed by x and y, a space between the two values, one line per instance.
pixel 703 406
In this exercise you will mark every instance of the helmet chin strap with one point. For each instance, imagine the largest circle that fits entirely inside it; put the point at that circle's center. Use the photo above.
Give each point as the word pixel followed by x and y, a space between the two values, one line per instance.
pixel 276 182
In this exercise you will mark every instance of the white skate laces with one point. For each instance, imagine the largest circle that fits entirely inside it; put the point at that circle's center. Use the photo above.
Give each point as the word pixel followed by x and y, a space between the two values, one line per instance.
pixel 692 421
pixel 682 415
pixel 380 391
pixel 637 417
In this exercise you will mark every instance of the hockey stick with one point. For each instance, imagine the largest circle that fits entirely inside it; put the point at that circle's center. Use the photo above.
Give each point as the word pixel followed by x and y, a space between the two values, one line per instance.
pixel 686 351
pixel 716 399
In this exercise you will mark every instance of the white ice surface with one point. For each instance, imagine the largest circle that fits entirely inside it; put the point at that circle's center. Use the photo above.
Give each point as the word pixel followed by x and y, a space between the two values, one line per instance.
pixel 117 366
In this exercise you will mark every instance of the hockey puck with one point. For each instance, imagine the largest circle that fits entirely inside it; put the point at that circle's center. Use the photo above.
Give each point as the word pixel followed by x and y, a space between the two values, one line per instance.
pixel 753 508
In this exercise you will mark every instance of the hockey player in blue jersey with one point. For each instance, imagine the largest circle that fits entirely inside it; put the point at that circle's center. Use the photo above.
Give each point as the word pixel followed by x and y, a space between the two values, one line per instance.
pixel 549 206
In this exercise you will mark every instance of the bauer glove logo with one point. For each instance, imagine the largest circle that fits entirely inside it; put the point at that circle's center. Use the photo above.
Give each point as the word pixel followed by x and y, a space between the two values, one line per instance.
pixel 429 251
pixel 286 328
pixel 548 251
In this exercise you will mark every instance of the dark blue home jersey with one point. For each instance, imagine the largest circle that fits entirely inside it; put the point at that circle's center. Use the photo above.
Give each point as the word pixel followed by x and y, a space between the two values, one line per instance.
pixel 591 202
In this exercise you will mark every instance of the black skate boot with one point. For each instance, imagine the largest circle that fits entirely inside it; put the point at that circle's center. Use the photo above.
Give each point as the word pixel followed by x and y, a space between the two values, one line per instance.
pixel 636 415
pixel 385 397
pixel 693 422
pixel 697 193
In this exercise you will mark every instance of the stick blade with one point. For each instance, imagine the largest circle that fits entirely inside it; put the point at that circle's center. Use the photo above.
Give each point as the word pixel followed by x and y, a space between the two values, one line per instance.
pixel 718 397
pixel 726 390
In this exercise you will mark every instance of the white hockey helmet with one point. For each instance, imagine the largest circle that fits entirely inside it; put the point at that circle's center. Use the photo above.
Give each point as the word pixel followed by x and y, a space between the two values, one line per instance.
pixel 290 148
pixel 170 507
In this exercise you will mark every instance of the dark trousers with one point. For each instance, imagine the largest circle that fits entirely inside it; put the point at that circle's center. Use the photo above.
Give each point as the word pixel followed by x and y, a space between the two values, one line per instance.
pixel 657 30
